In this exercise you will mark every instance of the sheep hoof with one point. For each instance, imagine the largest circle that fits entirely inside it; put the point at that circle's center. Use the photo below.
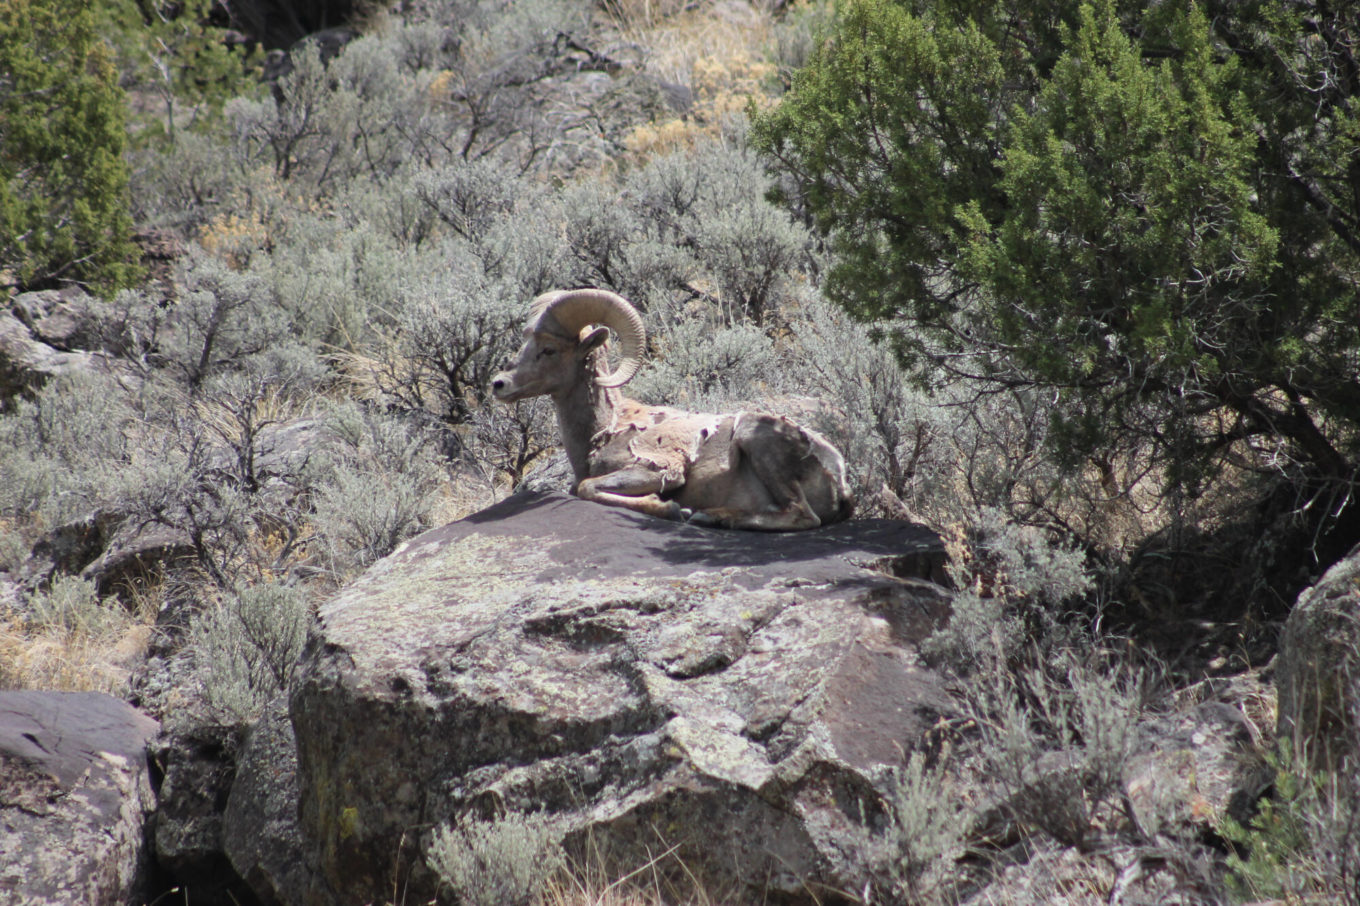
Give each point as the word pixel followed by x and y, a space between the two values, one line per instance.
pixel 700 518
pixel 673 511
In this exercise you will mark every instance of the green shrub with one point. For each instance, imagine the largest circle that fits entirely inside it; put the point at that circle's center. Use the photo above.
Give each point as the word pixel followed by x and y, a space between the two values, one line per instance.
pixel 378 488
pixel 469 197
pixel 63 181
pixel 1055 739
pixel 500 862
pixel 409 94
pixel 238 407
pixel 14 548
pixel 245 649
pixel 222 318
pixel 60 450
pixel 194 181
pixel 506 441
pixel 701 365
pixel 72 604
pixel 702 218
pixel 797 34
pixel 196 470
pixel 1056 712
pixel 747 244
pixel 455 329
pixel 1083 214
pixel 1303 843
pixel 889 430
pixel 928 822
pixel 1015 583
pixel 333 278
pixel 175 53
pixel 603 235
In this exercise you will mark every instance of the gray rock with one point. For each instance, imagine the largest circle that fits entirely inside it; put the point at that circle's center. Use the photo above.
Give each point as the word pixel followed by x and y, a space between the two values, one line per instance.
pixel 283 449
pixel 70 547
pixel 108 549
pixel 75 790
pixel 1193 767
pixel 134 552
pixel 1043 873
pixel 552 474
pixel 259 829
pixel 27 363
pixel 1318 670
pixel 65 319
pixel 199 766
pixel 643 683
pixel 113 550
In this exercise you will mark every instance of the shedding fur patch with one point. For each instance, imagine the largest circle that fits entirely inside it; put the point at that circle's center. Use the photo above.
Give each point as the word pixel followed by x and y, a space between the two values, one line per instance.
pixel 665 440
pixel 705 431
pixel 669 456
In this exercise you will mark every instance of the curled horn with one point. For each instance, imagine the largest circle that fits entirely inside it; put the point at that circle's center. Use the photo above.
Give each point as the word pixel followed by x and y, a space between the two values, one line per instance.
pixel 575 309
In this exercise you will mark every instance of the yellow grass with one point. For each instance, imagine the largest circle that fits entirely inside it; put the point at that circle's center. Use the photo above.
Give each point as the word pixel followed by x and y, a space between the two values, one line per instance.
pixel 677 38
pixel 723 87
pixel 76 659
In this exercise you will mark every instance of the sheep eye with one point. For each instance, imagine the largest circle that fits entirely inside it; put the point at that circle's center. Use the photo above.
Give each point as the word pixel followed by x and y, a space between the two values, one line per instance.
pixel 548 351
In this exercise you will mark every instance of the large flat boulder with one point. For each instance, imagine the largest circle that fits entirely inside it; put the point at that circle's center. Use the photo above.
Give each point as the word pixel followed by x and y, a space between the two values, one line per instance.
pixel 645 684
pixel 75 791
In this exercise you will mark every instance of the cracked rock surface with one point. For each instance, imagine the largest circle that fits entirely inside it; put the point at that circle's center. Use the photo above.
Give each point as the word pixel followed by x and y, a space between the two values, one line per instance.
pixel 75 791
pixel 739 696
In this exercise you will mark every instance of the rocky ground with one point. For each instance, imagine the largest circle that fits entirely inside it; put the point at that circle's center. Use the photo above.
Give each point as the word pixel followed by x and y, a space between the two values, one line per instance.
pixel 740 701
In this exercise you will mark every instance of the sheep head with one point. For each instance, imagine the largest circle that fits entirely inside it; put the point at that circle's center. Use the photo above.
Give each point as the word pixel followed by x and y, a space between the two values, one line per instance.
pixel 564 327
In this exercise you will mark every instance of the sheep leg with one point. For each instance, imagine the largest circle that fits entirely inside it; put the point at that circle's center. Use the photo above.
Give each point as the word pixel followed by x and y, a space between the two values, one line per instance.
pixel 775 451
pixel 636 489
pixel 795 517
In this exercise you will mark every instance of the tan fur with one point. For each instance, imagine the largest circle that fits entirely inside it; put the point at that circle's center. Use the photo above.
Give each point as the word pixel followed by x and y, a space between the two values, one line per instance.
pixel 751 470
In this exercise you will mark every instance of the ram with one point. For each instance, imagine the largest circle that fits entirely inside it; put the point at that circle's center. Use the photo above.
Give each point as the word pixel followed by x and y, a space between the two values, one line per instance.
pixel 747 470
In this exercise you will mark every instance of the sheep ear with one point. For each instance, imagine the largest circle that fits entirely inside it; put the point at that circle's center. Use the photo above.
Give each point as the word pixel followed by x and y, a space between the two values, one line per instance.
pixel 591 339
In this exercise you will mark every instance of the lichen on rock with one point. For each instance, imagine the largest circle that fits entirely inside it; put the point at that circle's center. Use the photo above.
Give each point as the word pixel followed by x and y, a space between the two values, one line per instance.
pixel 643 684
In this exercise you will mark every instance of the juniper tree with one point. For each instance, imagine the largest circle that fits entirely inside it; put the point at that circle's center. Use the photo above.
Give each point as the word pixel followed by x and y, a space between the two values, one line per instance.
pixel 63 181
pixel 1152 215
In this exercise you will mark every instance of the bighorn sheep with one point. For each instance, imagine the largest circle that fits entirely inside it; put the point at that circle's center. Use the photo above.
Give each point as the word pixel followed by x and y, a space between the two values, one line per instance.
pixel 747 470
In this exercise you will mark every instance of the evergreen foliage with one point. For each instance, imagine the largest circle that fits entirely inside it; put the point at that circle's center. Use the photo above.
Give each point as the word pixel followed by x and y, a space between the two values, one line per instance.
pixel 179 55
pixel 63 181
pixel 1302 844
pixel 1149 212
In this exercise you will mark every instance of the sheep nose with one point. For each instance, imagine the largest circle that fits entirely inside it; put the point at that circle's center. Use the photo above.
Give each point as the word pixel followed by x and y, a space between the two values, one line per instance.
pixel 497 384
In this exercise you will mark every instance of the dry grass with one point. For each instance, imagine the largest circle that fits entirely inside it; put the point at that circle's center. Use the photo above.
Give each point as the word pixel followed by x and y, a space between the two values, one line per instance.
pixel 646 885
pixel 677 36
pixel 264 405
pixel 720 51
pixel 676 32
pixel 664 880
pixel 723 87
pixel 97 653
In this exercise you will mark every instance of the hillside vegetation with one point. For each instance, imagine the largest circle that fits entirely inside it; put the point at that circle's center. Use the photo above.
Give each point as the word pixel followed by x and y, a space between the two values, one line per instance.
pixel 1074 284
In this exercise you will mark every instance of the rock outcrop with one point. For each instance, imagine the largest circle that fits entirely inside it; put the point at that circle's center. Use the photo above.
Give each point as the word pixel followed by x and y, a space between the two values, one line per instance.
pixel 75 790
pixel 199 770
pixel 260 832
pixel 26 362
pixel 1318 673
pixel 643 684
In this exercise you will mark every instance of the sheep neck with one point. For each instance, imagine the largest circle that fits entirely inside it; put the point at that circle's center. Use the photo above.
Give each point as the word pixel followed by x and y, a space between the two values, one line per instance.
pixel 586 413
